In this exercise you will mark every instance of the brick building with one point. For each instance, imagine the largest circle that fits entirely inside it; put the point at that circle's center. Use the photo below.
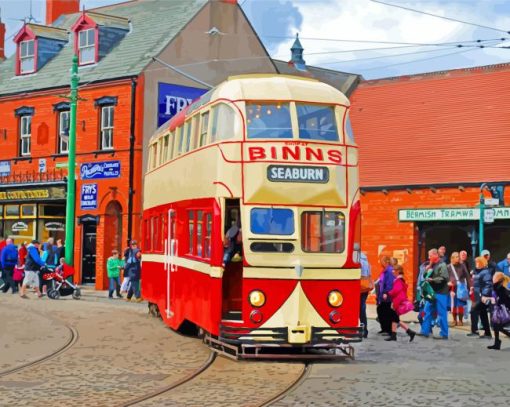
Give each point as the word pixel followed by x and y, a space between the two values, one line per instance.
pixel 427 144
pixel 126 92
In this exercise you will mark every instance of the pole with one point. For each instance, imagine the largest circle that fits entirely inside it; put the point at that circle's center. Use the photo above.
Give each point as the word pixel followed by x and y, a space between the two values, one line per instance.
pixel 70 199
pixel 481 221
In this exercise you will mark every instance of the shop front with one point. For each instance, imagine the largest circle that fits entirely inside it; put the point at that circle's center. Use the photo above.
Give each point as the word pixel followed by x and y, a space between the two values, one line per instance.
pixel 32 211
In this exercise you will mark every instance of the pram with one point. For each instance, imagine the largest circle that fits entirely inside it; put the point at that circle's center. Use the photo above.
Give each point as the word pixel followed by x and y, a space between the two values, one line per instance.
pixel 59 286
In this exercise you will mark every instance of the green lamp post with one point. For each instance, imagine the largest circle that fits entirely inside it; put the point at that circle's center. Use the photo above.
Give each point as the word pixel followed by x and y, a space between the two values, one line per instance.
pixel 70 198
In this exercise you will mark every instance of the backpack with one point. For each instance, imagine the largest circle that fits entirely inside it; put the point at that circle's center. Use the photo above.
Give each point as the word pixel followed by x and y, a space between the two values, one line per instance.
pixel 427 292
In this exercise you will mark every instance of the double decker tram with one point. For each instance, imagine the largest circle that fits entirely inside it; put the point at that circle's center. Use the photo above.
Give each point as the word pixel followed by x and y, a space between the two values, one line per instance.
pixel 251 219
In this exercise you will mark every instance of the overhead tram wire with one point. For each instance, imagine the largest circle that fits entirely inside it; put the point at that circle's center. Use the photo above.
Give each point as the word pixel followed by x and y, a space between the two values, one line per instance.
pixel 439 16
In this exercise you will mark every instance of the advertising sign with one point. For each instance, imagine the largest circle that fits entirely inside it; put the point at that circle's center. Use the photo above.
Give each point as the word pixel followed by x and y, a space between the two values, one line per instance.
pixel 488 215
pixel 88 196
pixel 100 170
pixel 5 168
pixel 42 164
pixel 173 98
pixel 288 173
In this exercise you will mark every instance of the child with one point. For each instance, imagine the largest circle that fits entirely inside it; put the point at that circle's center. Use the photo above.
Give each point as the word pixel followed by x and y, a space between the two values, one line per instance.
pixel 401 304
pixel 113 266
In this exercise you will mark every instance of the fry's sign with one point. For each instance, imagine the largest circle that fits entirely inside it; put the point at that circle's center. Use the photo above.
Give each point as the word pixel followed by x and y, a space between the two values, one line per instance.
pixel 296 153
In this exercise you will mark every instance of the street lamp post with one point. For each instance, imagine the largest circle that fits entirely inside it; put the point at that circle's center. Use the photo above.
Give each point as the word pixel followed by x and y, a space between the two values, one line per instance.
pixel 481 220
pixel 70 198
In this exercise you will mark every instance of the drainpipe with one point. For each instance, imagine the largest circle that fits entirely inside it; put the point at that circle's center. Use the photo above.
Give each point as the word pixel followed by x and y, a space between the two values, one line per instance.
pixel 131 159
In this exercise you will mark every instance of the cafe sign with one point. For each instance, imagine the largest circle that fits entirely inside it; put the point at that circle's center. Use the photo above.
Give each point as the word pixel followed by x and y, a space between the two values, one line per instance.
pixel 35 194
pixel 448 214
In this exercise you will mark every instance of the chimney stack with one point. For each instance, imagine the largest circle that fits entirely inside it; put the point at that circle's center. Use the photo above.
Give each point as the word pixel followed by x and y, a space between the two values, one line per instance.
pixel 2 40
pixel 55 8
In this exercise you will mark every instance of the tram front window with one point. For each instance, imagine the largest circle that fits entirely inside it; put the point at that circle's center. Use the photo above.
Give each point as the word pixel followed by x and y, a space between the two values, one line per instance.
pixel 317 122
pixel 269 221
pixel 269 120
pixel 323 232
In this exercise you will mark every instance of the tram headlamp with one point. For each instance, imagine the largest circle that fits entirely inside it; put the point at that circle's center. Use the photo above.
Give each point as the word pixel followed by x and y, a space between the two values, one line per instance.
pixel 257 298
pixel 335 298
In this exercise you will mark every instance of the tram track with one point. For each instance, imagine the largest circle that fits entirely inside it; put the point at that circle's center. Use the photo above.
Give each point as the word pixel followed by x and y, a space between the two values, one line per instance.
pixel 306 370
pixel 73 338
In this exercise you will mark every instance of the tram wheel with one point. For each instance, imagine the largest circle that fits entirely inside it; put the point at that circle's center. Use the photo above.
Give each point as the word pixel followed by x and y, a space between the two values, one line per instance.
pixel 188 328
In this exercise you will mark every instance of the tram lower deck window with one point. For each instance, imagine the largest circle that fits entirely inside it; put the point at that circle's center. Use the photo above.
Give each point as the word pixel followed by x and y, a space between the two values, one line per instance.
pixel 269 221
pixel 323 232
pixel 272 247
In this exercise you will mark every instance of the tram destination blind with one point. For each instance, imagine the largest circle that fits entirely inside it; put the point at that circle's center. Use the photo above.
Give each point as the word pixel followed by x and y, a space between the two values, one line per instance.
pixel 291 173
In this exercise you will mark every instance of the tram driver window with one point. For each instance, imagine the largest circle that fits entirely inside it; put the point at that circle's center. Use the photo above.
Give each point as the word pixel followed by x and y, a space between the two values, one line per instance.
pixel 269 221
pixel 317 122
pixel 323 232
pixel 269 120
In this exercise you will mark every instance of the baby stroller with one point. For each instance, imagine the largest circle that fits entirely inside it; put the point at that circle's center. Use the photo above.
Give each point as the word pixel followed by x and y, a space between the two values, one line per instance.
pixel 59 286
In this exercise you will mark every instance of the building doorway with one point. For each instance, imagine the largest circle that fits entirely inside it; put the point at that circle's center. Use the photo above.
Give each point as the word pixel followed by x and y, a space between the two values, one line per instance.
pixel 112 233
pixel 455 236
pixel 88 250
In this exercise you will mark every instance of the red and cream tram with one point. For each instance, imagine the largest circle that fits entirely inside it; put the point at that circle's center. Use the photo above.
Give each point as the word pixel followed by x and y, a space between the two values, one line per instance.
pixel 252 220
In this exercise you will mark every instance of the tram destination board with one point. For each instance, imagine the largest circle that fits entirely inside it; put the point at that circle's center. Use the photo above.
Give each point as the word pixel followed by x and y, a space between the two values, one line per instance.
pixel 292 173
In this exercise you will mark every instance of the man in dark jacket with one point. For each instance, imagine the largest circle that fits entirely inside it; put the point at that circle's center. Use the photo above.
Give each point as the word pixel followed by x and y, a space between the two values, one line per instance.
pixel 438 279
pixel 9 259
pixel 132 260
pixel 384 286
pixel 33 264
pixel 482 287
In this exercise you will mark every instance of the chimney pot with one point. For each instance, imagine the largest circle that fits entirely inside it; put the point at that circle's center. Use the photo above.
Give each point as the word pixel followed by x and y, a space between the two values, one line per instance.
pixel 56 8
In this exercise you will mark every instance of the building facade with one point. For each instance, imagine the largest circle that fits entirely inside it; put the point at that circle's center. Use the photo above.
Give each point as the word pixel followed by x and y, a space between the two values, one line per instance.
pixel 429 144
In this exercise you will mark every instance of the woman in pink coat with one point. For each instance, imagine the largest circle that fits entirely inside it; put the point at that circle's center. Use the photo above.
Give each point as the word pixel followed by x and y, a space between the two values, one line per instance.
pixel 400 304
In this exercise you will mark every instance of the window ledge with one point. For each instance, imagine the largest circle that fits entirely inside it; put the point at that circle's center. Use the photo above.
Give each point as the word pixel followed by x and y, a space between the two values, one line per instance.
pixel 59 155
pixel 22 158
pixel 103 152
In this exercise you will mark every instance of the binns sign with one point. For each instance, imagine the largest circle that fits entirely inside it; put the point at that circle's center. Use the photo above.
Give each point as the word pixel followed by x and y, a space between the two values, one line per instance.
pixel 174 98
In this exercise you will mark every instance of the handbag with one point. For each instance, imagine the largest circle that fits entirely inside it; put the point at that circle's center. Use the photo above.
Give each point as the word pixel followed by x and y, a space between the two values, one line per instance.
pixel 500 315
pixel 404 307
pixel 461 289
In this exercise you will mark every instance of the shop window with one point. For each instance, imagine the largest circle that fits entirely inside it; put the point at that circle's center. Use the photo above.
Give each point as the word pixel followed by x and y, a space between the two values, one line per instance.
pixel 27 211
pixel 271 221
pixel 63 132
pixel 27 56
pixel 323 232
pixel 25 134
pixel 12 211
pixel 106 127
pixel 20 229
pixel 51 211
pixel 317 122
pixel 87 46
pixel 204 124
pixel 268 120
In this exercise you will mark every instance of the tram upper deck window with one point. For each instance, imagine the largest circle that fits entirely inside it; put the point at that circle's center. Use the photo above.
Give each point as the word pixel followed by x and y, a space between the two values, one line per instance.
pixel 223 122
pixel 269 221
pixel 317 122
pixel 348 128
pixel 323 232
pixel 269 120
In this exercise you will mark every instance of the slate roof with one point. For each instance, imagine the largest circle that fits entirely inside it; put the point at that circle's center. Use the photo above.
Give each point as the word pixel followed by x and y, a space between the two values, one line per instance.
pixel 154 24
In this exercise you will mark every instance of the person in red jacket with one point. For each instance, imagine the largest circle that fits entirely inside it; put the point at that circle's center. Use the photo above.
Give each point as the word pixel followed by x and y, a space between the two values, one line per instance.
pixel 400 305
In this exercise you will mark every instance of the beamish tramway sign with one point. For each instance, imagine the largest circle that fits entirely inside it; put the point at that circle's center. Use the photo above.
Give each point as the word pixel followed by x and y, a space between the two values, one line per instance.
pixel 448 214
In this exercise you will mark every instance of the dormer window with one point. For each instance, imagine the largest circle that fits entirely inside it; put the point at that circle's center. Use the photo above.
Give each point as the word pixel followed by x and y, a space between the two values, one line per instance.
pixel 87 46
pixel 27 56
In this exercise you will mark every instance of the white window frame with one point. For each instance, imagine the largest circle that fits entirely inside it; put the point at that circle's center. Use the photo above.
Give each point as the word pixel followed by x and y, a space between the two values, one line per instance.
pixel 25 56
pixel 107 112
pixel 86 46
pixel 25 132
pixel 63 144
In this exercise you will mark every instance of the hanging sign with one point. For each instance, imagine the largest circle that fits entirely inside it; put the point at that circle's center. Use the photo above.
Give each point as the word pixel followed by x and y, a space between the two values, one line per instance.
pixel 88 196
pixel 100 170
pixel 174 98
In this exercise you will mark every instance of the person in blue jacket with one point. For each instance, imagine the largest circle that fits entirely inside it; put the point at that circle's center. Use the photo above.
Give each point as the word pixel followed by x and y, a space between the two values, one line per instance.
pixel 9 259
pixel 33 263
pixel 504 265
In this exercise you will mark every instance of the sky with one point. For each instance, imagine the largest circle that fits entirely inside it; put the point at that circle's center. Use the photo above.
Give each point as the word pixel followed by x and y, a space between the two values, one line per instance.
pixel 359 36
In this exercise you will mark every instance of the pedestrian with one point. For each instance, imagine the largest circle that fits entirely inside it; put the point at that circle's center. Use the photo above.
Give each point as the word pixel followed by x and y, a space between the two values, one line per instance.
pixel 33 264
pixel 501 300
pixel 419 304
pixel 437 277
pixel 60 250
pixel 49 257
pixel 481 288
pixel 464 259
pixel 442 254
pixel 383 300
pixel 400 305
pixel 22 253
pixel 491 265
pixel 113 267
pixel 504 265
pixel 367 285
pixel 393 262
pixel 9 260
pixel 459 288
pixel 2 277
pixel 132 261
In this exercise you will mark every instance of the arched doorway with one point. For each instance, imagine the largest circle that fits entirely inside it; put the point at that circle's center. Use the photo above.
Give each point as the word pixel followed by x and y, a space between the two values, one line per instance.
pixel 112 231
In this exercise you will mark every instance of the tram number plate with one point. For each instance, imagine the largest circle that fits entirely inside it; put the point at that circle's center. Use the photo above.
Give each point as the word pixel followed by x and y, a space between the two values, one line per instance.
pixel 292 173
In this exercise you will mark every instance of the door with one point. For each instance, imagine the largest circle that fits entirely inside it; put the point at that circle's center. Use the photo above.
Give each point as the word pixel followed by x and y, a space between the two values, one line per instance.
pixel 88 262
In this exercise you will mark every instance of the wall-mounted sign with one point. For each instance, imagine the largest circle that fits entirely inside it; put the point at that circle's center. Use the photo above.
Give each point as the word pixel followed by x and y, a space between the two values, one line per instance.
pixel 54 226
pixel 19 227
pixel 5 168
pixel 35 194
pixel 100 170
pixel 449 214
pixel 42 164
pixel 288 173
pixel 173 98
pixel 489 215
pixel 88 196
